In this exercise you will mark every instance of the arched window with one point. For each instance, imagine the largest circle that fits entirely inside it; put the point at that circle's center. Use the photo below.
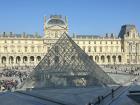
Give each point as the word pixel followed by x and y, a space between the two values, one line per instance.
pixel 102 59
pixel 11 60
pixel 114 58
pixel 91 57
pixel 25 59
pixel 18 59
pixel 119 58
pixel 97 58
pixel 38 58
pixel 108 58
pixel 32 58
pixel 3 60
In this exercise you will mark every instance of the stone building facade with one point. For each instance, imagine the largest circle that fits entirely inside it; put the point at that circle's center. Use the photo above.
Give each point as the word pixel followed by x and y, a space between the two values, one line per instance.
pixel 25 50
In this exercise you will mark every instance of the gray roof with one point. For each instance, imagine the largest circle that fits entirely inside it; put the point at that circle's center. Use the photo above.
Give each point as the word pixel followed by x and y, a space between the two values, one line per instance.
pixel 19 35
pixel 125 29
pixel 56 22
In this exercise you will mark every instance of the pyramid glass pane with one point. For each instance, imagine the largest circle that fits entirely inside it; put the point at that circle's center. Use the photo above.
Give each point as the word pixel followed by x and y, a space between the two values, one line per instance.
pixel 67 65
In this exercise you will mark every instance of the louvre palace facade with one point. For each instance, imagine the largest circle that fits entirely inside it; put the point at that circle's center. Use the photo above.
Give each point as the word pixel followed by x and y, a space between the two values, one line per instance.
pixel 23 50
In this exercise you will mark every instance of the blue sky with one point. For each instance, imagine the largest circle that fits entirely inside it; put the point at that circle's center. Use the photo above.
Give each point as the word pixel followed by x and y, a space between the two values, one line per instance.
pixel 84 16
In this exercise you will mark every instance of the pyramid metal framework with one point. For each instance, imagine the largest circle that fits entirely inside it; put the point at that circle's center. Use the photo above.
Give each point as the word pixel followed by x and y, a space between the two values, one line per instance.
pixel 67 65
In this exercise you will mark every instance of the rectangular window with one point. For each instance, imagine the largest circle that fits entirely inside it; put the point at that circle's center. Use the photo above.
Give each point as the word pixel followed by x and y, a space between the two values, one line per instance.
pixel 89 49
pixel 89 42
pixel 25 49
pixel 32 49
pixel 18 48
pixel 100 49
pixel 106 48
pixel 12 48
pixel 38 48
pixel 95 49
pixel 117 49
pixel 5 49
pixel 84 48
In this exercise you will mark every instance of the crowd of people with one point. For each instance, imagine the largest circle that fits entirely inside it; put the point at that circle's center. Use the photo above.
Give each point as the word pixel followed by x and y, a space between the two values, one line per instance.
pixel 130 69
pixel 10 79
pixel 12 73
pixel 8 85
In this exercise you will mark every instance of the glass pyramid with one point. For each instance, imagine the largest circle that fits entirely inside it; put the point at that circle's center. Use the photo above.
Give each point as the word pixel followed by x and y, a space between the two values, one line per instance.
pixel 67 65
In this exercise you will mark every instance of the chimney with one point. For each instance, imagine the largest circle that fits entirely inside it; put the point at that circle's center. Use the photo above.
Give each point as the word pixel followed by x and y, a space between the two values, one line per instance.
pixel 10 33
pixel 4 33
pixel 106 35
pixel 112 35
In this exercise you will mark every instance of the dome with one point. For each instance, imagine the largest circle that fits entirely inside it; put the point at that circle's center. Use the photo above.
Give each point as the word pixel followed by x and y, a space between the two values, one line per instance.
pixel 56 22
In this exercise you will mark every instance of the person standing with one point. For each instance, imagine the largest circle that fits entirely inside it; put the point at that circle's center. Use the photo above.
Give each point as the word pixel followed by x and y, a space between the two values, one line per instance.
pixel 112 93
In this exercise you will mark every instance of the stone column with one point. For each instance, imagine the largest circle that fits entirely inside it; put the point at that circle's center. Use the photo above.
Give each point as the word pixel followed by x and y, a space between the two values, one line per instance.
pixel 28 61
pixel 21 60
pixel 35 60
pixel 7 61
pixel 117 61
pixel 14 61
